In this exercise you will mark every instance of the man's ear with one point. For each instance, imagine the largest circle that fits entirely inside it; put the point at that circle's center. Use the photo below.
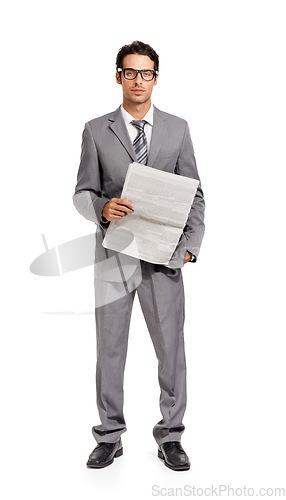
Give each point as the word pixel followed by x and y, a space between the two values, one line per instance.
pixel 155 81
pixel 118 78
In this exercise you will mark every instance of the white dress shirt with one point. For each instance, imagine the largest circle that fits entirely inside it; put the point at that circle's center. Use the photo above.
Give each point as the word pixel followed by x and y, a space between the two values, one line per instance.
pixel 133 131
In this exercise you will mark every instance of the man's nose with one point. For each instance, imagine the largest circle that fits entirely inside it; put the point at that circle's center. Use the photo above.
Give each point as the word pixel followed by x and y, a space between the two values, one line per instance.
pixel 138 78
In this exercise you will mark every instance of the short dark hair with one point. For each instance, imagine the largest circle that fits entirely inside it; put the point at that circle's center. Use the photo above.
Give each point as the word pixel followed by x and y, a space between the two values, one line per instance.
pixel 137 48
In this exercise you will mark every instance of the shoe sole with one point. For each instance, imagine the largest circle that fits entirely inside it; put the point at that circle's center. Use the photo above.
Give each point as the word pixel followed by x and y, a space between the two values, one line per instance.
pixel 183 467
pixel 119 453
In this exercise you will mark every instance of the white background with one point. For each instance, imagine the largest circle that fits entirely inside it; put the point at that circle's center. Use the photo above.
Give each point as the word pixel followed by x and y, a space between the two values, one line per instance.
pixel 222 67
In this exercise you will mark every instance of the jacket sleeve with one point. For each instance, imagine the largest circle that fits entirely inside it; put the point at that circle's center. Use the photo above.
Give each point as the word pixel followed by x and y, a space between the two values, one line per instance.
pixel 88 198
pixel 186 165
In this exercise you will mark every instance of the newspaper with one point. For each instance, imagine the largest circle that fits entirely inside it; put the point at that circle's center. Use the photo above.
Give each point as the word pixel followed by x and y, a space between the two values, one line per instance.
pixel 162 202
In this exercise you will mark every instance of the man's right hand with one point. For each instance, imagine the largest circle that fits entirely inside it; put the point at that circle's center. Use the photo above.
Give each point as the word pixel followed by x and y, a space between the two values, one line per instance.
pixel 117 208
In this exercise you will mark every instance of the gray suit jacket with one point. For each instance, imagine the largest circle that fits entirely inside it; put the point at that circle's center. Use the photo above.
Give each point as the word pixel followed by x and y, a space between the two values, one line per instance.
pixel 106 153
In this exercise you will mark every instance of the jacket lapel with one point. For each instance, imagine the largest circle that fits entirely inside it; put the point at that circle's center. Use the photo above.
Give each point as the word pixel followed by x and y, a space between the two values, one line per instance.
pixel 118 126
pixel 158 134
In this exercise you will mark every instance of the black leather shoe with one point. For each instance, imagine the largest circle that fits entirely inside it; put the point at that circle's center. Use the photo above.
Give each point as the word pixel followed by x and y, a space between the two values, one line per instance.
pixel 104 454
pixel 174 456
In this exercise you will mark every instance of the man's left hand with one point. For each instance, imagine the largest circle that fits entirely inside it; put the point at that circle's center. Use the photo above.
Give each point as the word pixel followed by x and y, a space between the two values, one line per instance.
pixel 187 257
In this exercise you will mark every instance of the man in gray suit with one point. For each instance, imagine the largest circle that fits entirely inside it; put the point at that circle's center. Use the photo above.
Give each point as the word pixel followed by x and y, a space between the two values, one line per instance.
pixel 137 131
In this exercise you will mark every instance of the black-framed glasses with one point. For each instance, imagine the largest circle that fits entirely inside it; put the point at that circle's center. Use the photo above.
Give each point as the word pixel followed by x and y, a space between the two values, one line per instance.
pixel 131 73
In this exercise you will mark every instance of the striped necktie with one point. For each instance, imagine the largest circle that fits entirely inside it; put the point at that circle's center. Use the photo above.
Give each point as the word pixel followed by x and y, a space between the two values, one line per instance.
pixel 140 142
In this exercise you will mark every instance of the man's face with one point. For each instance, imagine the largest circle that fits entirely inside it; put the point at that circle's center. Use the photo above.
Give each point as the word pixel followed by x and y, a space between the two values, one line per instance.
pixel 136 91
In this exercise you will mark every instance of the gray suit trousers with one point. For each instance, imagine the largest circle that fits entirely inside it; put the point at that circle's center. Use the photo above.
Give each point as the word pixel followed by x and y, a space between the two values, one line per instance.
pixel 161 296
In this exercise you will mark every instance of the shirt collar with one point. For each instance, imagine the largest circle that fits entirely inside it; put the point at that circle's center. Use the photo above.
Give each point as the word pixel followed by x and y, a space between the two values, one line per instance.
pixel 148 117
